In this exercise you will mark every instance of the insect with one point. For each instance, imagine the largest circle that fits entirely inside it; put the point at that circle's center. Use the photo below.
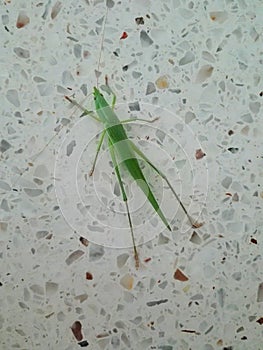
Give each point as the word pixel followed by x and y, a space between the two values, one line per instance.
pixel 123 151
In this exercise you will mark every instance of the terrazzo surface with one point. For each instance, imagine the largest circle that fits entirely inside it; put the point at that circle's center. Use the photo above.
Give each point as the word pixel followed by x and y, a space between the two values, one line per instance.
pixel 67 273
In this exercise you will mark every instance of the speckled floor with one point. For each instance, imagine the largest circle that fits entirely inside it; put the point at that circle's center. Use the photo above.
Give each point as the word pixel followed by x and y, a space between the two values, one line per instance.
pixel 67 274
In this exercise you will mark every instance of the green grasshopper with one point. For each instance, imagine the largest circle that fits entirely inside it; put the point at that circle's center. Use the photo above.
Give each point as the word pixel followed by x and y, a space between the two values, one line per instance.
pixel 124 151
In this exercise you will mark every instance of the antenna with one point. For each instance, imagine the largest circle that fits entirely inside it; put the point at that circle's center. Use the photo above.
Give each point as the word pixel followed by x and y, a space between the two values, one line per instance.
pixel 101 44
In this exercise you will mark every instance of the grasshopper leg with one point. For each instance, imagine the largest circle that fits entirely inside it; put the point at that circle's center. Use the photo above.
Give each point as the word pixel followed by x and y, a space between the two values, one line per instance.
pixel 193 223
pixel 125 199
pixel 84 110
pixel 97 152
pixel 109 90
pixel 126 121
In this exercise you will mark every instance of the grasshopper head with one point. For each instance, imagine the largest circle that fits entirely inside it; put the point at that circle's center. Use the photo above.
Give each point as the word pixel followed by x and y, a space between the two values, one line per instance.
pixel 96 92
pixel 100 102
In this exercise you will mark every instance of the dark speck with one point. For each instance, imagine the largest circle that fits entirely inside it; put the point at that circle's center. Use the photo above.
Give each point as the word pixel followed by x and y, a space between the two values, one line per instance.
pixel 71 38
pixel 125 68
pixel 156 302
pixel 139 20
pixel 233 149
pixel 83 343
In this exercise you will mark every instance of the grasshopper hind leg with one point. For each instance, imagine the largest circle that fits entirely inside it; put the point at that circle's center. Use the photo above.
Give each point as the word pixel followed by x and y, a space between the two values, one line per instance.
pixel 125 199
pixel 193 223
pixel 97 152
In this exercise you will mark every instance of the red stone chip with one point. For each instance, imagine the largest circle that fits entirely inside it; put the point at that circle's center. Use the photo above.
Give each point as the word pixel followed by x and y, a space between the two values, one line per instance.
pixel 76 330
pixel 124 35
pixel 180 276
